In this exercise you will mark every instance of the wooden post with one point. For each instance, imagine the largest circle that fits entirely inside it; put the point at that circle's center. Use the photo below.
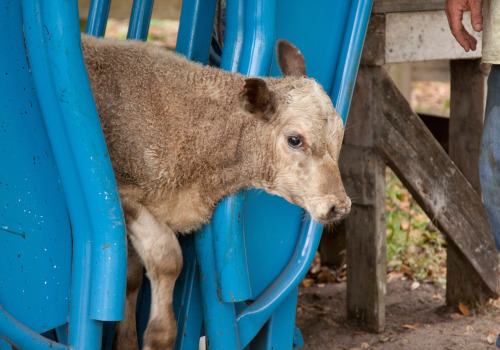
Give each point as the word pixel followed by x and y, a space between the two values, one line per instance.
pixel 363 171
pixel 466 122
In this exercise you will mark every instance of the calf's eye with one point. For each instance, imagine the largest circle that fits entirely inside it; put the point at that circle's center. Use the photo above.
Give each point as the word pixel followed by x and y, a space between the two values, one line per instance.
pixel 294 141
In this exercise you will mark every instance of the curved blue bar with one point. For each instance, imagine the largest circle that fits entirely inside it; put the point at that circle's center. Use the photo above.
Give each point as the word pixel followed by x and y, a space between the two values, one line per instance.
pixel 233 41
pixel 23 337
pixel 251 320
pixel 229 249
pixel 229 242
pixel 195 29
pixel 92 162
pixel 80 152
pixel 350 54
pixel 80 324
pixel 258 38
pixel 98 17
pixel 139 19
pixel 229 245
pixel 219 317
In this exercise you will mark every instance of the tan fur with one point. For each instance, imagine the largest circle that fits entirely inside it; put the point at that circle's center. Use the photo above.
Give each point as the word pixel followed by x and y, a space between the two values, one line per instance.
pixel 182 136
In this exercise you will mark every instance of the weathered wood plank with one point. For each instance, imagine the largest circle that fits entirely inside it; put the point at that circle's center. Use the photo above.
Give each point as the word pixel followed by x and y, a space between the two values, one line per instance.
pixel 435 182
pixel 387 6
pixel 423 36
pixel 363 172
pixel 466 121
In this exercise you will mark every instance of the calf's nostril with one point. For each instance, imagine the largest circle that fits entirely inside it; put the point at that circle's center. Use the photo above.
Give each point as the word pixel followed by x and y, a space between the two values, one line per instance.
pixel 333 210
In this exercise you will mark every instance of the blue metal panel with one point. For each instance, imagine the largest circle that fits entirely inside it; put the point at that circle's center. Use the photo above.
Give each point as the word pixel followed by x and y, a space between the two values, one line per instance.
pixel 319 35
pixel 139 19
pixel 272 225
pixel 35 240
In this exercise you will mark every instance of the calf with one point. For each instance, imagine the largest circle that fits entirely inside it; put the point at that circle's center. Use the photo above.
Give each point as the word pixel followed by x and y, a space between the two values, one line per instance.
pixel 182 136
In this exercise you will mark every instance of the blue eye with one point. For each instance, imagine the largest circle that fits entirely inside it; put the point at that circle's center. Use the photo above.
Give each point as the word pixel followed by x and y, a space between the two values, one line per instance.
pixel 294 141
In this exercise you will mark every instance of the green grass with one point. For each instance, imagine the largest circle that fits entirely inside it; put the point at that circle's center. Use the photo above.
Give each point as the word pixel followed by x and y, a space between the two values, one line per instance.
pixel 414 246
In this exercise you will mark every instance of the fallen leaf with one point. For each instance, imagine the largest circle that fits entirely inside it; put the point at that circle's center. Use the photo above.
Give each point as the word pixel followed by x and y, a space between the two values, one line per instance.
pixel 406 270
pixel 469 328
pixel 331 322
pixel 492 337
pixel 405 225
pixel 307 282
pixel 365 345
pixel 437 296
pixel 463 309
pixel 391 276
pixel 456 316
pixel 415 285
pixel 411 326
pixel 315 269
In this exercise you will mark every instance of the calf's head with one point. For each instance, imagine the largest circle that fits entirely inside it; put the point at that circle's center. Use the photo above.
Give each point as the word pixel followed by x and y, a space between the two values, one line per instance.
pixel 307 134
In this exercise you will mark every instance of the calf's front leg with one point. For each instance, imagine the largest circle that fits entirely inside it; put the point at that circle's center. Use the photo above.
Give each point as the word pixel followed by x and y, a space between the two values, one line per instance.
pixel 160 252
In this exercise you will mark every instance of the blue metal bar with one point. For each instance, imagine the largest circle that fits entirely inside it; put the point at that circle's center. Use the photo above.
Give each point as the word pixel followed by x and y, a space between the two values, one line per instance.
pixel 350 55
pixel 229 249
pixel 251 320
pixel 98 17
pixel 99 269
pixel 229 244
pixel 23 337
pixel 258 38
pixel 80 324
pixel 233 41
pixel 92 162
pixel 219 317
pixel 139 19
pixel 195 29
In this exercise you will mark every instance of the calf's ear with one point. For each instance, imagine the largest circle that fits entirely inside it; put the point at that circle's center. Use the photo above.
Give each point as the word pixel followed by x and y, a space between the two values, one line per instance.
pixel 290 60
pixel 256 98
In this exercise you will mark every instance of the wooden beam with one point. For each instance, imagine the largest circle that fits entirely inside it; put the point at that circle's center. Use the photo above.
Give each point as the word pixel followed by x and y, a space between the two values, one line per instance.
pixel 424 36
pixel 387 6
pixel 363 172
pixel 466 122
pixel 435 182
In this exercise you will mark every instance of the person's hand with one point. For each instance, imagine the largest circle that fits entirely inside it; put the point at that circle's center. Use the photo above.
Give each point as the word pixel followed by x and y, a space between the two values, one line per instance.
pixel 454 10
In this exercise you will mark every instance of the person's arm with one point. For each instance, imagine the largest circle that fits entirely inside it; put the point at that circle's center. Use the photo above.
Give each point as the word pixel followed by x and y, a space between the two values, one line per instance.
pixel 454 10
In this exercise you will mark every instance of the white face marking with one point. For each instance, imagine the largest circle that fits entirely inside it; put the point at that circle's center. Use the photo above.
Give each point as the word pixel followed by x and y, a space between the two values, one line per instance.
pixel 308 145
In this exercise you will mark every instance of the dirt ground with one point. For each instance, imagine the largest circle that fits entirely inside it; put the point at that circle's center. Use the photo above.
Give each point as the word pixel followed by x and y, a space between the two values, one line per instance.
pixel 415 319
